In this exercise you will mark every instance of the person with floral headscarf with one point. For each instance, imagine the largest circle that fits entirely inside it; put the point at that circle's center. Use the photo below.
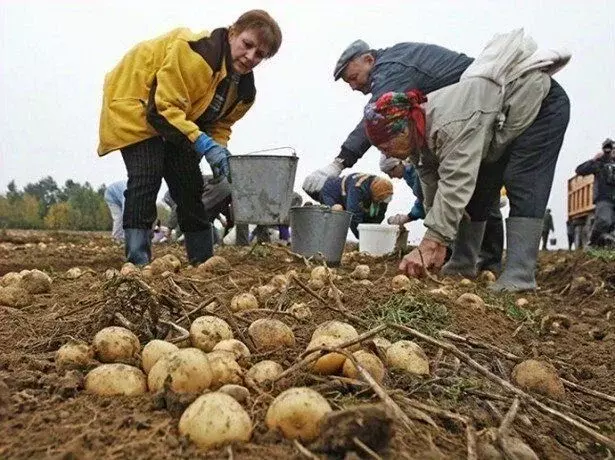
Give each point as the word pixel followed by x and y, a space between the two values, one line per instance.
pixel 503 123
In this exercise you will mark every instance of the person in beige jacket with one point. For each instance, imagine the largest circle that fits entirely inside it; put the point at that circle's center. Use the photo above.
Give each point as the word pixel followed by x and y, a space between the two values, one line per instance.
pixel 463 143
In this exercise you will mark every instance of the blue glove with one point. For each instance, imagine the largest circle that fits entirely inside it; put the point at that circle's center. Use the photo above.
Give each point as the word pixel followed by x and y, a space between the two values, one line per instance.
pixel 215 154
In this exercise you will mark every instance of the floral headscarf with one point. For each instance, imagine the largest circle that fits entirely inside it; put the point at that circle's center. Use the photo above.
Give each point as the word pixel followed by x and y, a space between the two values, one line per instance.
pixel 391 113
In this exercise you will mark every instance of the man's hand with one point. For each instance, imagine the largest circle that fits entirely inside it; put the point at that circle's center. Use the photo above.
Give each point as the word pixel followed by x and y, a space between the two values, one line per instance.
pixel 429 254
pixel 217 157
pixel 316 180
pixel 398 219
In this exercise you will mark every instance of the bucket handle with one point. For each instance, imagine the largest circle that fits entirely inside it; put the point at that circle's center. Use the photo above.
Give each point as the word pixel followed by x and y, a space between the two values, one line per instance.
pixel 292 149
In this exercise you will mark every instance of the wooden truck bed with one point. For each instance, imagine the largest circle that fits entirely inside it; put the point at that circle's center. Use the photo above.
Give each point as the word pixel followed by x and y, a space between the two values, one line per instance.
pixel 580 196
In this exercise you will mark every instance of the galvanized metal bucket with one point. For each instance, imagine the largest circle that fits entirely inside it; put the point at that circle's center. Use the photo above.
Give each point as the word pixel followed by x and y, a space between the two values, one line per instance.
pixel 262 186
pixel 319 232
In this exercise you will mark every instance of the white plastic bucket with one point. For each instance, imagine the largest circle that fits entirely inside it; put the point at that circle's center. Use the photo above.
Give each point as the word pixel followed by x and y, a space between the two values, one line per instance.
pixel 377 239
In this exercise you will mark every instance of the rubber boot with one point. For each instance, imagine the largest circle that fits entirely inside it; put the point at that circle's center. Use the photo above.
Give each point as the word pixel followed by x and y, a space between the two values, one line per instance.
pixel 464 260
pixel 522 243
pixel 138 245
pixel 199 246
pixel 492 247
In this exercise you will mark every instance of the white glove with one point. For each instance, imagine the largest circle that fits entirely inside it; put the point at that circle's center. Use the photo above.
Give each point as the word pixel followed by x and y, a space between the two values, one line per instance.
pixel 316 180
pixel 398 219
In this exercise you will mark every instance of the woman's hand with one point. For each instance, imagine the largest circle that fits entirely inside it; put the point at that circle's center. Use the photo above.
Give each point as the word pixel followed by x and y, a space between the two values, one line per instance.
pixel 429 254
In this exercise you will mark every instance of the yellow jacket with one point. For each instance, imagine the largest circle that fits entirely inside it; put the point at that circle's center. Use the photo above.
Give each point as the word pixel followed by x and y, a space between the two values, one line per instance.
pixel 165 87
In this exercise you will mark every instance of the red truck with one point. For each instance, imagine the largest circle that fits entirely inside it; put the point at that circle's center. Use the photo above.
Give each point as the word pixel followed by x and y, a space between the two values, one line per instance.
pixel 581 208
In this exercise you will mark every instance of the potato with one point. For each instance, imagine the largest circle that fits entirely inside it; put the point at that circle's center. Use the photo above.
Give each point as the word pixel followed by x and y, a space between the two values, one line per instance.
pixel 215 419
pixel 207 331
pixel 440 293
pixel 316 284
pixel 10 278
pixel 297 413
pixel 73 355
pixel 36 282
pixel 369 361
pixel 244 301
pixel 540 377
pixel 290 274
pixel 160 265
pixel 74 273
pixel 238 348
pixel 400 283
pixel 264 371
pixel 487 276
pixel 300 311
pixel 330 363
pixel 129 269
pixel 224 367
pixel 280 282
pixel 361 272
pixel 116 345
pixel 336 329
pixel 216 264
pixel 320 273
pixel 334 292
pixel 15 296
pixel 146 272
pixel 115 379
pixel 269 334
pixel 264 293
pixel 381 344
pixel 239 393
pixel 337 207
pixel 111 273
pixel 407 356
pixel 469 300
pixel 153 351
pixel 188 369
pixel 465 283
pixel 173 261
pixel 521 302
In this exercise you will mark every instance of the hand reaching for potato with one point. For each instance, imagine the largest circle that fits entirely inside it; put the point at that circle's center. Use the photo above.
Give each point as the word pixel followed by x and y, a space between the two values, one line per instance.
pixel 429 254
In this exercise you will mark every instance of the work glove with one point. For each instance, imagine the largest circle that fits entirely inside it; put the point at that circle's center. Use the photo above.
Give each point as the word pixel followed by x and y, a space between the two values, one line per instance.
pixel 316 180
pixel 215 154
pixel 398 219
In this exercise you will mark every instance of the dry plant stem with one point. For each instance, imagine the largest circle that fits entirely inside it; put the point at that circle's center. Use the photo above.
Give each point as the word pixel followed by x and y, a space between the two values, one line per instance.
pixel 509 418
pixel 588 391
pixel 429 275
pixel 391 405
pixel 229 451
pixel 470 430
pixel 602 439
pixel 512 357
pixel 304 451
pixel 185 334
pixel 290 253
pixel 366 449
pixel 237 330
pixel 124 321
pixel 314 356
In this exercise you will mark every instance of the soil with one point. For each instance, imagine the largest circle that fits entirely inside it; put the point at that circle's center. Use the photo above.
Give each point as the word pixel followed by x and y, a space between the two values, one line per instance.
pixel 45 413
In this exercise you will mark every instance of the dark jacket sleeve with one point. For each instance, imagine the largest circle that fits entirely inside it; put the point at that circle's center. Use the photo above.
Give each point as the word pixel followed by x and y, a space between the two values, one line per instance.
pixel 412 179
pixel 587 168
pixel 389 76
pixel 354 199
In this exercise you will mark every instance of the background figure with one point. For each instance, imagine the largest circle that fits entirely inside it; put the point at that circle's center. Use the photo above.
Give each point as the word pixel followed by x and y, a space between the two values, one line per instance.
pixel 216 198
pixel 547 227
pixel 570 234
pixel 114 197
pixel 602 166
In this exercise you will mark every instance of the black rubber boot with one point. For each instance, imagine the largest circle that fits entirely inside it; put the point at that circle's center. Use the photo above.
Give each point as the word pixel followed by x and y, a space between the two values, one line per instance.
pixel 492 248
pixel 138 245
pixel 464 260
pixel 522 243
pixel 199 246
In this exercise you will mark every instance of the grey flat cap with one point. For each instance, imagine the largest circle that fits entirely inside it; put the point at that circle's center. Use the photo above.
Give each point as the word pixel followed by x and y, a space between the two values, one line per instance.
pixel 355 49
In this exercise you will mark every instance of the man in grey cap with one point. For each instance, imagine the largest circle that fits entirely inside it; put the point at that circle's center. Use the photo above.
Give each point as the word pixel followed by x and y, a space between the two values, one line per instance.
pixel 402 67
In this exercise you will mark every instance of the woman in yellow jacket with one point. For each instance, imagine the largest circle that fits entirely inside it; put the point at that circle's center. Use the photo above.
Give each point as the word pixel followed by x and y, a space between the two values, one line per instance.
pixel 171 101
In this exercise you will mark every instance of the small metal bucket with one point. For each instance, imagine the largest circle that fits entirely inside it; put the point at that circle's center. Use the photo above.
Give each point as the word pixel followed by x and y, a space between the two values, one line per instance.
pixel 262 187
pixel 319 232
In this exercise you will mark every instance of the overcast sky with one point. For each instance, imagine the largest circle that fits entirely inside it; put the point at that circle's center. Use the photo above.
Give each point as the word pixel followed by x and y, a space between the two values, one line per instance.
pixel 54 55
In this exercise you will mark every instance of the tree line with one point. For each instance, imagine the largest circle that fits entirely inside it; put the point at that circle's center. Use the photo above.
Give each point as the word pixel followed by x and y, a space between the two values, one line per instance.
pixel 45 205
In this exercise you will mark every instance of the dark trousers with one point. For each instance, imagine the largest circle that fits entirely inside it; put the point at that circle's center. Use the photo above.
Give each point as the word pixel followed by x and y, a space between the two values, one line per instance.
pixel 545 240
pixel 492 247
pixel 527 166
pixel 147 163
pixel 604 221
